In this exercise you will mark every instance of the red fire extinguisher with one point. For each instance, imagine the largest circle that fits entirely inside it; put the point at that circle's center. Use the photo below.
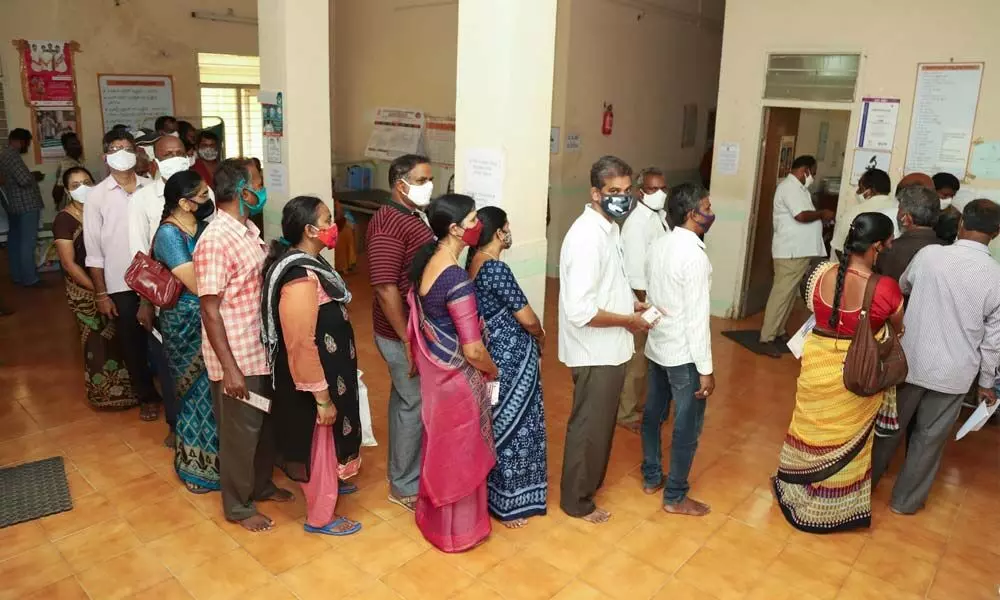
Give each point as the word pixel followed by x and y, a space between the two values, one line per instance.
pixel 608 121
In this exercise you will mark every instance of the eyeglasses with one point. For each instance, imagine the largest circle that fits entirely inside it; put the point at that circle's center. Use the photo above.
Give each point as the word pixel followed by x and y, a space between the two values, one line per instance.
pixel 114 149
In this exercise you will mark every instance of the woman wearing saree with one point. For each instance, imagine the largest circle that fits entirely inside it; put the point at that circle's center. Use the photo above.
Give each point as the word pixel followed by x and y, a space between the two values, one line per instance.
pixel 196 450
pixel 445 333
pixel 314 364
pixel 823 483
pixel 107 379
pixel 518 484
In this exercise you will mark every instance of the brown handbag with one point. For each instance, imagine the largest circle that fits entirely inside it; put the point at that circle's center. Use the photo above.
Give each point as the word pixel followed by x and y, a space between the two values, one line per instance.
pixel 152 280
pixel 872 366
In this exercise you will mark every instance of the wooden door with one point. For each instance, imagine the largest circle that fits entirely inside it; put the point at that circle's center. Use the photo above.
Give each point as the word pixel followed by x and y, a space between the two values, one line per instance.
pixel 778 123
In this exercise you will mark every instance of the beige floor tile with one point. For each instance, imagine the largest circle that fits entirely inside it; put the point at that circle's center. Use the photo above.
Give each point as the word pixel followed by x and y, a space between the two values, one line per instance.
pixel 226 576
pixel 485 556
pixel 124 575
pixel 676 589
pixel 18 538
pixel 655 544
pixel 860 586
pixel 285 547
pixel 740 539
pixel 772 587
pixel 719 575
pixel 78 484
pixel 429 576
pixel 107 474
pixel 327 577
pixel 810 572
pixel 64 589
pixel 154 521
pixel 522 577
pixel 904 572
pixel 760 511
pixel 377 591
pixel 377 549
pixel 143 491
pixel 31 571
pixel 97 544
pixel 842 547
pixel 87 511
pixel 192 546
pixel 274 590
pixel 621 575
pixel 567 549
pixel 171 589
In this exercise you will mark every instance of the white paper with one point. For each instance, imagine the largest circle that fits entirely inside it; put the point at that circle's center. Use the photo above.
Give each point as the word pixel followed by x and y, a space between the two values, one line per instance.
pixel 395 132
pixel 276 179
pixel 944 113
pixel 977 419
pixel 439 139
pixel 493 388
pixel 365 414
pixel 878 123
pixel 573 142
pixel 797 342
pixel 157 335
pixel 484 176
pixel 257 401
pixel 869 159
pixel 554 140
pixel 135 100
pixel 273 147
pixel 652 315
pixel 727 158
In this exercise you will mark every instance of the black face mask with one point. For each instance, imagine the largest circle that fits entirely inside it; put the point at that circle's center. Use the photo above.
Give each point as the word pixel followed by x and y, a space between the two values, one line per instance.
pixel 205 210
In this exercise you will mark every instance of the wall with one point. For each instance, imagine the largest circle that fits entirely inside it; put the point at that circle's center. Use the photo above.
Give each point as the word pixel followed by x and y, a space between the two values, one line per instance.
pixel 893 36
pixel 648 61
pixel 810 123
pixel 139 36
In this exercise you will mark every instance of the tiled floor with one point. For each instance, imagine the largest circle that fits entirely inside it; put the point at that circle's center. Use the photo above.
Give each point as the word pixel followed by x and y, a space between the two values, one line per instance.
pixel 135 532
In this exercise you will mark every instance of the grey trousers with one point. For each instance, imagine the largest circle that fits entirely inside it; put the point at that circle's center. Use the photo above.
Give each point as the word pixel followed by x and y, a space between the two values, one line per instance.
pixel 588 436
pixel 246 449
pixel 406 429
pixel 933 414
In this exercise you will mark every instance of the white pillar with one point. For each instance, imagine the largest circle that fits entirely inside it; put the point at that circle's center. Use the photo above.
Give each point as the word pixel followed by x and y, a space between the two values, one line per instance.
pixel 506 54
pixel 294 41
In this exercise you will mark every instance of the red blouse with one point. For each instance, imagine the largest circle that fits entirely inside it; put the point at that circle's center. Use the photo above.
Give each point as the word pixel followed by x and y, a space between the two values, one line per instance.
pixel 887 300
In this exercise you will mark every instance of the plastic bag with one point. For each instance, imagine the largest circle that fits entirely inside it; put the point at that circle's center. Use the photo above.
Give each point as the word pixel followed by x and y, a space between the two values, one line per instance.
pixel 321 489
pixel 367 434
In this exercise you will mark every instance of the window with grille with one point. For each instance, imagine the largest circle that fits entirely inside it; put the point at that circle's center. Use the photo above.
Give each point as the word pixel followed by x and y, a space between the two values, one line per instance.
pixel 229 85
pixel 818 77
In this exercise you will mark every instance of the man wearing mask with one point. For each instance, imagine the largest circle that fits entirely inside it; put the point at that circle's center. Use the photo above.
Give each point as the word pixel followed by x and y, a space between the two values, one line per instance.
pixel 208 157
pixel 798 238
pixel 643 226
pixel 107 237
pixel 946 185
pixel 679 348
pixel 952 338
pixel 74 152
pixel 918 211
pixel 394 235
pixel 228 263
pixel 24 207
pixel 166 125
pixel 873 195
pixel 598 315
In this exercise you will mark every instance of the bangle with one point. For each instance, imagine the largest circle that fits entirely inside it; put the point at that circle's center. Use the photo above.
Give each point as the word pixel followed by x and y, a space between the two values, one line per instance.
pixel 324 404
pixel 102 294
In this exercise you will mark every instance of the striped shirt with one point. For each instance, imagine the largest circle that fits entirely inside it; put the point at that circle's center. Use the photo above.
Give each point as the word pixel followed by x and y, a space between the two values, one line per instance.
pixel 953 319
pixel 19 185
pixel 393 237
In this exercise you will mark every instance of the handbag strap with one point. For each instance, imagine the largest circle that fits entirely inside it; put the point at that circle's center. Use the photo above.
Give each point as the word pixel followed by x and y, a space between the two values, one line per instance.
pixel 866 306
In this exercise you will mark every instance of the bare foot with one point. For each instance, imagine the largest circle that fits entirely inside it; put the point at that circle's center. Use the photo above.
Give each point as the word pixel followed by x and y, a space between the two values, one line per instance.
pixel 650 490
pixel 689 507
pixel 633 426
pixel 257 523
pixel 279 495
pixel 598 516
pixel 515 523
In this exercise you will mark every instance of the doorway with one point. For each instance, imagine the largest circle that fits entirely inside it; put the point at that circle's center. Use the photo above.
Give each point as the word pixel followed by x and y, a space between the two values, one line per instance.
pixel 786 134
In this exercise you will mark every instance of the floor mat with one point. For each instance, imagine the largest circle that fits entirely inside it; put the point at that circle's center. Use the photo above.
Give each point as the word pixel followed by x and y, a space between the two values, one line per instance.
pixel 33 490
pixel 750 339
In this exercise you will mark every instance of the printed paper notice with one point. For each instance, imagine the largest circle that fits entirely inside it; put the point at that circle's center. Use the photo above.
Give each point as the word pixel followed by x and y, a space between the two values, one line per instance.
pixel 276 179
pixel 484 175
pixel 395 132
pixel 985 162
pixel 439 139
pixel 865 160
pixel 944 113
pixel 727 158
pixel 573 142
pixel 878 123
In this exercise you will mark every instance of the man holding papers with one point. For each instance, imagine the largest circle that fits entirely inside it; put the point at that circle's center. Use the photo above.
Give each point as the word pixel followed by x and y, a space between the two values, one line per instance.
pixel 952 335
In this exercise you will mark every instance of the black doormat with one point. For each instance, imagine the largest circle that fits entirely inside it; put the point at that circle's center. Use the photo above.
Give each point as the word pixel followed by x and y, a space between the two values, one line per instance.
pixel 33 490
pixel 750 339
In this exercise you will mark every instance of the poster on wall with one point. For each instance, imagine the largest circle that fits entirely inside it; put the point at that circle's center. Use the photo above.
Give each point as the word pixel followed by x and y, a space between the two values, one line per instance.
pixel 878 123
pixel 786 155
pixel 134 100
pixel 47 74
pixel 50 125
pixel 273 113
pixel 944 114
pixel 866 160
pixel 395 132
pixel 439 139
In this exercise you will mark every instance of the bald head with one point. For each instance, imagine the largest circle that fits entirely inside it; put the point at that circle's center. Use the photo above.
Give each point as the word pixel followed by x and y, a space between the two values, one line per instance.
pixel 168 146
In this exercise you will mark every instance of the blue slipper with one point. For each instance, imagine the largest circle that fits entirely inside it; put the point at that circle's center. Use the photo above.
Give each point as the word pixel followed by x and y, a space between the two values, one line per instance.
pixel 346 489
pixel 330 528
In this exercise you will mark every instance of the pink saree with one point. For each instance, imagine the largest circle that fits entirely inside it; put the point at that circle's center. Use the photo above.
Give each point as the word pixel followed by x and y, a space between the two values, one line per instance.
pixel 451 509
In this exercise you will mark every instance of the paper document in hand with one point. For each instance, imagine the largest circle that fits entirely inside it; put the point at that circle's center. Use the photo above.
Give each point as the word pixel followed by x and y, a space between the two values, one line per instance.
pixel 652 315
pixel 977 419
pixel 257 401
pixel 798 341
pixel 493 388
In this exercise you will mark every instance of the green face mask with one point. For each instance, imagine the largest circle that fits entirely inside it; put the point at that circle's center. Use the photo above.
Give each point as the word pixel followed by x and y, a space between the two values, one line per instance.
pixel 248 210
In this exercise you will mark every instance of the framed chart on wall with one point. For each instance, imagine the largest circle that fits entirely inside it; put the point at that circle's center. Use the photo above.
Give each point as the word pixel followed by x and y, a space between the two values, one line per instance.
pixel 134 100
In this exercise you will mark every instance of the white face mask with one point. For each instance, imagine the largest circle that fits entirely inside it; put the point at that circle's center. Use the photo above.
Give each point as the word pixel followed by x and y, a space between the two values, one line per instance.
pixel 809 180
pixel 945 202
pixel 420 194
pixel 861 197
pixel 123 160
pixel 656 200
pixel 174 134
pixel 171 166
pixel 208 153
pixel 80 193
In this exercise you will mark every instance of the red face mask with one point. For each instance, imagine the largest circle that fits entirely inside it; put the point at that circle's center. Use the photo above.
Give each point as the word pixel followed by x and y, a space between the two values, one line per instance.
pixel 471 234
pixel 328 236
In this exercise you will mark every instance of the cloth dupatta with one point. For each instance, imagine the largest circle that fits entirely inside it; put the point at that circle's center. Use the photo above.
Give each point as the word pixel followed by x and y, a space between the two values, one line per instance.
pixel 458 432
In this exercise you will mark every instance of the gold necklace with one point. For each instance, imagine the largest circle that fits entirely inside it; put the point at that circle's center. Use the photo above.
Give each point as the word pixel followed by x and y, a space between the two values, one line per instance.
pixel 181 226
pixel 453 256
pixel 490 255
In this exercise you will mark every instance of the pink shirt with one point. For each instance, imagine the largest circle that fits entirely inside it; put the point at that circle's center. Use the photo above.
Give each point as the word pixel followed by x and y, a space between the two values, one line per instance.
pixel 106 230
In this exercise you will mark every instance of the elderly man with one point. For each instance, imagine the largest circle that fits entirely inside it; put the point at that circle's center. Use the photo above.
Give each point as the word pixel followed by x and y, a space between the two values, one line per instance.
pixel 644 226
pixel 917 214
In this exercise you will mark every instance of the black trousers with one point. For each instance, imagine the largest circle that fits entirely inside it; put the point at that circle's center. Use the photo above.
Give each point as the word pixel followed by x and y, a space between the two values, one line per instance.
pixel 135 344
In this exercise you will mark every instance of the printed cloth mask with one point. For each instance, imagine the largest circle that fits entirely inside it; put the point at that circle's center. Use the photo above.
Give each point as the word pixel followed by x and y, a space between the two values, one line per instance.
pixel 328 237
pixel 420 194
pixel 506 239
pixel 171 166
pixel 656 200
pixel 208 153
pixel 80 194
pixel 617 207
pixel 122 160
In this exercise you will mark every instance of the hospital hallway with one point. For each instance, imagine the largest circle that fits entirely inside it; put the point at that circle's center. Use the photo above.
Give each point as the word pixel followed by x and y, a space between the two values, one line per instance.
pixel 135 532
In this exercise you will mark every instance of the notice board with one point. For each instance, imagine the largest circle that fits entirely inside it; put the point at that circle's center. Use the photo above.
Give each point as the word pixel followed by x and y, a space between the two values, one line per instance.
pixel 944 114
pixel 134 99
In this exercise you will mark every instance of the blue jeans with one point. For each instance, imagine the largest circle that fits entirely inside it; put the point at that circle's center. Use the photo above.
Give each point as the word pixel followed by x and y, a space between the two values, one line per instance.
pixel 665 384
pixel 21 241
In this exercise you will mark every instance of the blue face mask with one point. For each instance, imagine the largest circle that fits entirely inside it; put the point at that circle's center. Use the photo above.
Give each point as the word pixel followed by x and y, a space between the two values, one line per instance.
pixel 261 200
pixel 617 207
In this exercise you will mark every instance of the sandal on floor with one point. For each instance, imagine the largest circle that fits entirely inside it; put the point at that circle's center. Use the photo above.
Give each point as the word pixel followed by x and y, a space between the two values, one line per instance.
pixel 345 488
pixel 149 412
pixel 408 502
pixel 197 489
pixel 331 528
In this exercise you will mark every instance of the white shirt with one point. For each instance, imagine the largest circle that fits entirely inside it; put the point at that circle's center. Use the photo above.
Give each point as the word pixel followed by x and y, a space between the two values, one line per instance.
pixel 680 282
pixel 107 231
pixel 887 205
pixel 791 238
pixel 640 230
pixel 591 278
